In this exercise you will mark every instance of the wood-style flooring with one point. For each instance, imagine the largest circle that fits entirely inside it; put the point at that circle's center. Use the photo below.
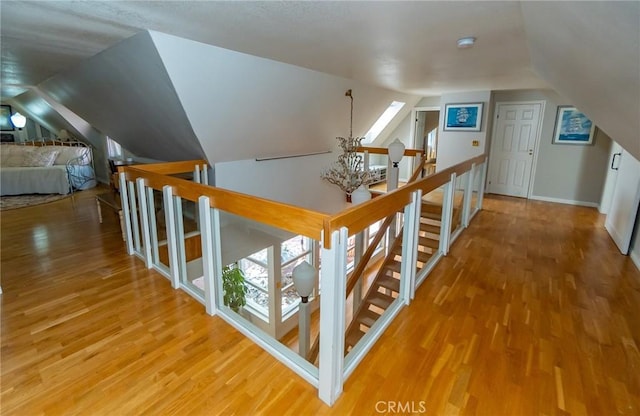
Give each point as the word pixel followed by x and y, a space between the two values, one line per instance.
pixel 533 312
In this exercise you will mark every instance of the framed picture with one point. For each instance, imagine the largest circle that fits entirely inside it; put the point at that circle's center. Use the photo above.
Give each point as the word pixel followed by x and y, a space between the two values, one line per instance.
pixel 463 117
pixel 5 118
pixel 572 127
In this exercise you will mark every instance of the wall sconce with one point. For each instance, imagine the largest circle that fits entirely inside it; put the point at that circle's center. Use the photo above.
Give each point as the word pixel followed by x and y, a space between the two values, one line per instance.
pixel 18 120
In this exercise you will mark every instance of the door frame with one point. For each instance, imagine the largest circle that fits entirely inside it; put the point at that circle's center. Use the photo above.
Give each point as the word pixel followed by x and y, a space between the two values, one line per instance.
pixel 412 129
pixel 536 145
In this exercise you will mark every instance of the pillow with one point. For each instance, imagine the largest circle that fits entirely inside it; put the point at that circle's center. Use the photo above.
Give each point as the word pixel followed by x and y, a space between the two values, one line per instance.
pixel 66 153
pixel 42 157
pixel 14 157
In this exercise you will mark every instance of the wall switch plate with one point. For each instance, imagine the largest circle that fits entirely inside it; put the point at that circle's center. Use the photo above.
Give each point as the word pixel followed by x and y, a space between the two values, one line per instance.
pixel 475 143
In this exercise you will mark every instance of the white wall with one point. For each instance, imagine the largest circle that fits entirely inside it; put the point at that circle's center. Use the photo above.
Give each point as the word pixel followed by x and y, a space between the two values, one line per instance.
pixel 456 146
pixel 293 181
pixel 243 106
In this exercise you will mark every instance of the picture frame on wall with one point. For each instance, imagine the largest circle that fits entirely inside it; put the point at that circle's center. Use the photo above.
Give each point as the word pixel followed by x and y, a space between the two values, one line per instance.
pixel 573 127
pixel 463 117
pixel 5 118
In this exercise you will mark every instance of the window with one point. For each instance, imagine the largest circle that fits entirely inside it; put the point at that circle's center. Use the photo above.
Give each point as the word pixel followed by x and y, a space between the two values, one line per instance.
pixel 383 121
pixel 114 149
pixel 256 269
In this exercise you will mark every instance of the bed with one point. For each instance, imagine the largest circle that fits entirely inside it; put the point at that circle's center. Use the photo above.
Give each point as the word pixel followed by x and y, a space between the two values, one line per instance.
pixel 51 167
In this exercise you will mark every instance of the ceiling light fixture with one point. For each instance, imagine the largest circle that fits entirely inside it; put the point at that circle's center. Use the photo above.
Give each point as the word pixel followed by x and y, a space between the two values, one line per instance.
pixel 467 42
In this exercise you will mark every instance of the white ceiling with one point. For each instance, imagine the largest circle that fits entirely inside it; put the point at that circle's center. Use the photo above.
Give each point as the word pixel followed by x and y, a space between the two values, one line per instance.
pixel 404 46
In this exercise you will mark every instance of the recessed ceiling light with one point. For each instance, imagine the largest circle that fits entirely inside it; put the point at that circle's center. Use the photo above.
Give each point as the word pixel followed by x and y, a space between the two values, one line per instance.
pixel 467 42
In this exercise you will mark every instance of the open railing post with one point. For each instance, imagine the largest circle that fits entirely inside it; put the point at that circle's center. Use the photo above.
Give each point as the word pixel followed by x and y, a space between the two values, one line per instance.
pixel 126 215
pixel 468 193
pixel 332 316
pixel 133 209
pixel 410 247
pixel 358 249
pixel 153 228
pixel 483 178
pixel 144 222
pixel 447 214
pixel 181 254
pixel 170 221
pixel 204 178
pixel 196 174
pixel 209 265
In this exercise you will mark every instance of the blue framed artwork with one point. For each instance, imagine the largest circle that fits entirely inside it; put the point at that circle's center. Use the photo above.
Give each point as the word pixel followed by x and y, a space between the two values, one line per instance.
pixel 463 117
pixel 573 127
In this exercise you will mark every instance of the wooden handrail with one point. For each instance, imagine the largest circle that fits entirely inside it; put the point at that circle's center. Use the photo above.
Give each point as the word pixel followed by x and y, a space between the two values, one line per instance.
pixel 418 170
pixel 385 151
pixel 362 264
pixel 287 217
pixel 170 168
pixel 291 218
pixel 361 216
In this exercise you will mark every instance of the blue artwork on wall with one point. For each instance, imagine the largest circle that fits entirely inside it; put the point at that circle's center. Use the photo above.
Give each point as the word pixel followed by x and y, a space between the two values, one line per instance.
pixel 463 117
pixel 573 127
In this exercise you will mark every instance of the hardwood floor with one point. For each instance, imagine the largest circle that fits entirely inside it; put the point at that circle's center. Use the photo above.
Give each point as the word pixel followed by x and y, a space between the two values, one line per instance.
pixel 533 312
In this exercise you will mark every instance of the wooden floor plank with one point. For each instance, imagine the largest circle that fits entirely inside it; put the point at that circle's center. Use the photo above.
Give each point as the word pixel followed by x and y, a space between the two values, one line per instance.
pixel 534 311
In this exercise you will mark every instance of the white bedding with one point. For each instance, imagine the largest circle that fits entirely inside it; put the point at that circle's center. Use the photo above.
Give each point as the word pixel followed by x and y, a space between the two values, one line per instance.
pixel 45 169
pixel 34 180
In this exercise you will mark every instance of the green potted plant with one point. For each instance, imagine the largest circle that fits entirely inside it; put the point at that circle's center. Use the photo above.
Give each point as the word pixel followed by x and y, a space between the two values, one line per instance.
pixel 234 287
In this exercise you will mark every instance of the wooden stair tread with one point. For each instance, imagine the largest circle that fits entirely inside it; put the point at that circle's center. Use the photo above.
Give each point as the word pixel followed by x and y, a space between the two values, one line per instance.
pixel 429 228
pixel 424 257
pixel 380 300
pixel 367 317
pixel 389 282
pixel 353 337
pixel 428 242
pixel 394 266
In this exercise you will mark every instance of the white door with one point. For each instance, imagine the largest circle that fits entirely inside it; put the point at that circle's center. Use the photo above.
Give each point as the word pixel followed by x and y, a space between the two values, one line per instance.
pixel 624 204
pixel 512 148
pixel 610 181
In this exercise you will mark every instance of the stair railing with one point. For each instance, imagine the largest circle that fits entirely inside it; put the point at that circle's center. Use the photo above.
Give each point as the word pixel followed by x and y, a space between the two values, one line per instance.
pixel 358 271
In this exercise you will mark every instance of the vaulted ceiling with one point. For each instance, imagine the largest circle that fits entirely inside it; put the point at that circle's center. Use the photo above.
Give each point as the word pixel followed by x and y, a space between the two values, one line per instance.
pixel 587 51
pixel 406 46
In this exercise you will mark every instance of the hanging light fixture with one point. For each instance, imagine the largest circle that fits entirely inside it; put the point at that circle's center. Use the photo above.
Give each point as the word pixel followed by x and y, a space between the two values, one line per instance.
pixel 348 173
pixel 18 120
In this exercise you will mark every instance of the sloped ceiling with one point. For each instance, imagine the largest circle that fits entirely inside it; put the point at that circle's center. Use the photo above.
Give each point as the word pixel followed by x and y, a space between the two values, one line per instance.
pixel 126 93
pixel 403 46
pixel 590 53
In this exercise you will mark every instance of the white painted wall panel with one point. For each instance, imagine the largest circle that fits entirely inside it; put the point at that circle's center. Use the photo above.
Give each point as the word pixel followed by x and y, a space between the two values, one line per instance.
pixel 242 106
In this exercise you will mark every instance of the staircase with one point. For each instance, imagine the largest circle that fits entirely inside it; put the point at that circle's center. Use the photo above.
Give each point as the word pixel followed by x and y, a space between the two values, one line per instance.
pixel 386 284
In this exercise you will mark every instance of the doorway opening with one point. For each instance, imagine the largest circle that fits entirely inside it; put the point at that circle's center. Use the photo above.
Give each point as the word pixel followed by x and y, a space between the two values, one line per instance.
pixel 424 133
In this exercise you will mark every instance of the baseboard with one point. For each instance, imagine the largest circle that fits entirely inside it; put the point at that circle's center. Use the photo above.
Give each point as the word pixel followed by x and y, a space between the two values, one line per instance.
pixel 565 201
pixel 635 258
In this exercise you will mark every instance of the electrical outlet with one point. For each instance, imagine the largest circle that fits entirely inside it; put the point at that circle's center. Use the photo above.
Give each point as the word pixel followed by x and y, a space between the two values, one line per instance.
pixel 475 143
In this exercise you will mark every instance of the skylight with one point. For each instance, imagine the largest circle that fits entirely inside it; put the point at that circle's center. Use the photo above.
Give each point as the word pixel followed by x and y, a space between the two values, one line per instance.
pixel 383 121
